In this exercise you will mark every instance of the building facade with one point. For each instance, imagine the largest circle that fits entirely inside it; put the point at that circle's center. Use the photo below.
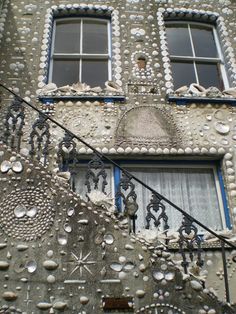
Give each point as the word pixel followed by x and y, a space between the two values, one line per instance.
pixel 152 86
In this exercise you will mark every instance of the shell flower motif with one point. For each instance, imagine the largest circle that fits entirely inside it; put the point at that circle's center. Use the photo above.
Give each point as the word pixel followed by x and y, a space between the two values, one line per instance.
pixel 11 166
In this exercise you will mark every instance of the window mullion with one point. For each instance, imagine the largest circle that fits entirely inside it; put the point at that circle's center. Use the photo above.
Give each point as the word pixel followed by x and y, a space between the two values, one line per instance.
pixel 81 50
pixel 194 55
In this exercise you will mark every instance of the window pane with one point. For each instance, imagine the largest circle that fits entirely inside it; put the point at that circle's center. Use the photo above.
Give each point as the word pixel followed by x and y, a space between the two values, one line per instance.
pixel 95 38
pixel 178 40
pixel 65 72
pixel 67 39
pixel 203 41
pixel 193 190
pixel 209 75
pixel 183 73
pixel 94 72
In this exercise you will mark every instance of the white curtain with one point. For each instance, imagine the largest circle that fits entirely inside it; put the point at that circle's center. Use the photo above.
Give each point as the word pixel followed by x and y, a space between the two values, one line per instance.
pixel 193 190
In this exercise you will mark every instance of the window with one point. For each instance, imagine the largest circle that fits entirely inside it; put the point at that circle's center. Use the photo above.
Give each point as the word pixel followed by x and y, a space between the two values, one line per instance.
pixel 80 52
pixel 195 55
pixel 196 188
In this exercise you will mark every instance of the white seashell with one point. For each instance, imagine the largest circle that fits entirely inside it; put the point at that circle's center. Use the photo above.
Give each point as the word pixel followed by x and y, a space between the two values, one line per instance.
pixel 65 88
pixel 196 285
pixel 230 91
pixel 129 266
pixel 4 265
pixel 108 238
pixel 44 305
pixel 70 212
pixel 196 89
pixel 59 305
pixel 20 211
pixel 50 265
pixel 17 166
pixel 181 90
pixel 222 127
pixel 169 276
pixel 67 228
pixel 83 300
pixel 158 275
pixel 213 92
pixel 112 87
pixel 32 212
pixel 116 267
pixel 62 239
pixel 31 266
pixel 51 87
pixel 96 89
pixel 9 296
pixel 5 166
pixel 80 87
pixel 140 293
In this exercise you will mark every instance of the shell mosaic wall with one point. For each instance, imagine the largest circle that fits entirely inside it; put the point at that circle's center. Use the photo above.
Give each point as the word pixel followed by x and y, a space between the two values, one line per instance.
pixel 58 254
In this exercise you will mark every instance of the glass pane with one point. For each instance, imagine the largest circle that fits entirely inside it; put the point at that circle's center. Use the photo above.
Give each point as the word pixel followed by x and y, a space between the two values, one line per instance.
pixel 94 72
pixel 67 39
pixel 65 72
pixel 193 190
pixel 95 38
pixel 178 40
pixel 203 41
pixel 209 75
pixel 183 73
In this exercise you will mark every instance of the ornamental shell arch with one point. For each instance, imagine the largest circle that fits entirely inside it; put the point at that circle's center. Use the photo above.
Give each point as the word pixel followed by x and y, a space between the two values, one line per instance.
pixel 147 126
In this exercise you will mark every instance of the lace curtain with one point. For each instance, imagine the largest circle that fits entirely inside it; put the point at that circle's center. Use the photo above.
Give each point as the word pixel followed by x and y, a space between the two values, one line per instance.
pixel 193 190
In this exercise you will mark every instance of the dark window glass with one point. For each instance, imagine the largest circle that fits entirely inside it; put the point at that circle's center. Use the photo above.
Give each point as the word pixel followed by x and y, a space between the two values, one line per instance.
pixel 178 40
pixel 67 39
pixel 183 73
pixel 94 72
pixel 209 75
pixel 95 37
pixel 65 72
pixel 203 41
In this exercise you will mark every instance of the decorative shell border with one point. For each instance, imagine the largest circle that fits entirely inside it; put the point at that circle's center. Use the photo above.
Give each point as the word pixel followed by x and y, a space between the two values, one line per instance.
pixel 3 14
pixel 80 10
pixel 219 152
pixel 201 16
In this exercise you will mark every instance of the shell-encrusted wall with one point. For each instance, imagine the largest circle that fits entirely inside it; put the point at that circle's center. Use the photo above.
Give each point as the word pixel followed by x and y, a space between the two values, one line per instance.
pixel 58 254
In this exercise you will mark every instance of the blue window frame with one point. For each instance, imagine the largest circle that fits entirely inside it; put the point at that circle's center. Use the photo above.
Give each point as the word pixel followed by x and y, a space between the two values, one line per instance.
pixel 196 187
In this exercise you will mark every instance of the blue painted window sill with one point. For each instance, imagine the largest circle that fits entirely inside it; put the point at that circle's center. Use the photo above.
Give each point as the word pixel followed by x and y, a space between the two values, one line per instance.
pixel 183 100
pixel 104 98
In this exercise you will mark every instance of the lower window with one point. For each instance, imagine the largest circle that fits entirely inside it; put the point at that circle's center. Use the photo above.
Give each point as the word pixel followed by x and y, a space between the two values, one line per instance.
pixel 195 188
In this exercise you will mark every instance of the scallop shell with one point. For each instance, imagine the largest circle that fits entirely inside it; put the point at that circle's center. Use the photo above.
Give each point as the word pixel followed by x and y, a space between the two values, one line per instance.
pixel 222 127
pixel 20 211
pixel 5 166
pixel 31 266
pixel 32 212
pixel 17 166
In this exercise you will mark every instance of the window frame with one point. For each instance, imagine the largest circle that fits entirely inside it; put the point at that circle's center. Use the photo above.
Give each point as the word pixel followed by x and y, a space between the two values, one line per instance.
pixel 115 176
pixel 218 179
pixel 80 56
pixel 217 60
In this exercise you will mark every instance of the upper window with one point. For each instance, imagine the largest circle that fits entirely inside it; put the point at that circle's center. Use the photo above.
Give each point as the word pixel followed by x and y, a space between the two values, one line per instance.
pixel 195 55
pixel 80 52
